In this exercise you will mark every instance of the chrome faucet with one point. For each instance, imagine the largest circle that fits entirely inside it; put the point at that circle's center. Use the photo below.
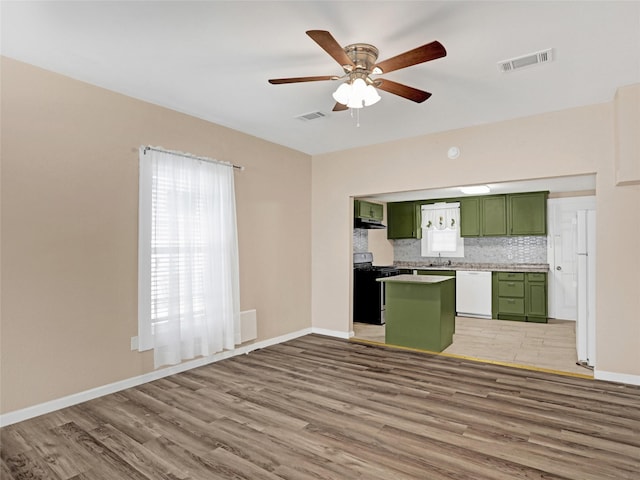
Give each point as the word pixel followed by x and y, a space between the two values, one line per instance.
pixel 439 262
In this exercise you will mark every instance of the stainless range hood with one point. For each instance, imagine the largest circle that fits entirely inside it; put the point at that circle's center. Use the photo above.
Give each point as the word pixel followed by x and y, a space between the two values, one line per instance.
pixel 367 223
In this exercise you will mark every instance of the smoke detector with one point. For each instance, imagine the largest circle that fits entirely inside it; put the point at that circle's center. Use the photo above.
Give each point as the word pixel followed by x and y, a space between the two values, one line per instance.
pixel 517 63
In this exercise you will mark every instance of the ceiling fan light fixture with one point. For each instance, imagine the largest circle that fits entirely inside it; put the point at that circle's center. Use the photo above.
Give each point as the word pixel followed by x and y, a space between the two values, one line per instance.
pixel 356 94
pixel 371 96
pixel 355 103
pixel 342 94
pixel 358 86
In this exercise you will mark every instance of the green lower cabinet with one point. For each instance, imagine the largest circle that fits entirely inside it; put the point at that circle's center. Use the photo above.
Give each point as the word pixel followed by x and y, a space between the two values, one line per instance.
pixel 444 273
pixel 520 296
pixel 419 315
pixel 511 289
pixel 536 295
pixel 510 306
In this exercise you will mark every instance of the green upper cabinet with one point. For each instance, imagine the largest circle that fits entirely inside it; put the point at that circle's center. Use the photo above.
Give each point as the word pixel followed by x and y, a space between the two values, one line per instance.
pixel 403 220
pixel 377 211
pixel 483 216
pixel 493 211
pixel 502 215
pixel 470 217
pixel 528 213
pixel 369 210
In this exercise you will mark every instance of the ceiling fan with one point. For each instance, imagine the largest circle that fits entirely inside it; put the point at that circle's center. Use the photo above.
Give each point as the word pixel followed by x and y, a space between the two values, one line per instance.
pixel 358 61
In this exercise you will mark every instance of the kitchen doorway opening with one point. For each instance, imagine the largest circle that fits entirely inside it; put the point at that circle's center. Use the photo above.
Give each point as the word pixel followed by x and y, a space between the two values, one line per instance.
pixel 553 345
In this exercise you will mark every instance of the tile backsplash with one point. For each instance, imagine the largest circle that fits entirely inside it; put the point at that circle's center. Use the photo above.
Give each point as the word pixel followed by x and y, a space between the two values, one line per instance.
pixel 496 250
pixel 360 240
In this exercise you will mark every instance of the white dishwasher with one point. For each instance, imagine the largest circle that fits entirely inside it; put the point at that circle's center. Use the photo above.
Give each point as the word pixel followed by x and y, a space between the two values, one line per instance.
pixel 473 294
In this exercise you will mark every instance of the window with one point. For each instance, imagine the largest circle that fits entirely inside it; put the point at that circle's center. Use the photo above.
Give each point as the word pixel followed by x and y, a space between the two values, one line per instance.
pixel 441 230
pixel 188 300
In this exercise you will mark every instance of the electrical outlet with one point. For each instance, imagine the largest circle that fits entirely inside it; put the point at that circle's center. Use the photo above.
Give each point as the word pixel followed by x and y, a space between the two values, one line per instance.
pixel 134 343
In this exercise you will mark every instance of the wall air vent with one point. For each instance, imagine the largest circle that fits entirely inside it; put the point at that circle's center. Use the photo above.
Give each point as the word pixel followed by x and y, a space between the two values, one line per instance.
pixel 307 117
pixel 526 60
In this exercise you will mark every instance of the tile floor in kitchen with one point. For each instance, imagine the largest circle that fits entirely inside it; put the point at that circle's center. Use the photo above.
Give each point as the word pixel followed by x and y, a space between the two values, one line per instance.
pixel 550 346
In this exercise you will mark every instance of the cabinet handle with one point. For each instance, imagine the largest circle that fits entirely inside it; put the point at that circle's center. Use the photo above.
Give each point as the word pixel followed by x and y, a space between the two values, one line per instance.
pixel 511 301
pixel 511 284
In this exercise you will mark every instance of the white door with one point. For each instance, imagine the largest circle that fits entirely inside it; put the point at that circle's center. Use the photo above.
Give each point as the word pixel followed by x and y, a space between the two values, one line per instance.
pixel 563 256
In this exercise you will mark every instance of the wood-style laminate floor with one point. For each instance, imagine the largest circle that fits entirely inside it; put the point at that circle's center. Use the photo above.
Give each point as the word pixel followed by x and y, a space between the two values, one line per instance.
pixel 549 346
pixel 325 408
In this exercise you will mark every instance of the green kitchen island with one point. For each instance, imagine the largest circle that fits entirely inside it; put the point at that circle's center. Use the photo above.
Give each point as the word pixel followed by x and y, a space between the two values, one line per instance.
pixel 420 311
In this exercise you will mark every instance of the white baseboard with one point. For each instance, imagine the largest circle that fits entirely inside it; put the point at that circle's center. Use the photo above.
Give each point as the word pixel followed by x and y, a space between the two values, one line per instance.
pixel 76 398
pixel 331 333
pixel 616 377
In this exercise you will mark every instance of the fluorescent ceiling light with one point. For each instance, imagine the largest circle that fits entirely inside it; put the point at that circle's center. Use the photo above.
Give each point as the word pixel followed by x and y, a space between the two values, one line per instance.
pixel 475 190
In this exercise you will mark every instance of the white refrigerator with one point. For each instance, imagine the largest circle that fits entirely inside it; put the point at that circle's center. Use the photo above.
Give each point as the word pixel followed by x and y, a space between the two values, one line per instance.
pixel 586 324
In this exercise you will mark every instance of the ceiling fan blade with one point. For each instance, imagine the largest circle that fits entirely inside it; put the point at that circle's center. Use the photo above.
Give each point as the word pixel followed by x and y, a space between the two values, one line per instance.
pixel 338 107
pixel 277 81
pixel 331 46
pixel 422 54
pixel 405 91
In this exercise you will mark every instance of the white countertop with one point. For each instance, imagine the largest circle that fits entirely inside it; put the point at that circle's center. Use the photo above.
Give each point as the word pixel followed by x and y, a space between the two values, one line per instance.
pixel 423 279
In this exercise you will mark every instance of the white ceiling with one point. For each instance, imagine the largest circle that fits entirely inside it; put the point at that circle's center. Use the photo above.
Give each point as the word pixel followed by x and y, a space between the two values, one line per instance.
pixel 212 59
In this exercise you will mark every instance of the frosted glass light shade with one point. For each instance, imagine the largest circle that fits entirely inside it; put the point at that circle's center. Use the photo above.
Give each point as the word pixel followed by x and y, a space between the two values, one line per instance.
pixel 355 102
pixel 371 96
pixel 358 87
pixel 342 94
pixel 356 94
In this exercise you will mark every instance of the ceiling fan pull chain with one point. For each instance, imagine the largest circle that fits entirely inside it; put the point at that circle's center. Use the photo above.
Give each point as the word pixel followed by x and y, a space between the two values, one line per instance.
pixel 356 117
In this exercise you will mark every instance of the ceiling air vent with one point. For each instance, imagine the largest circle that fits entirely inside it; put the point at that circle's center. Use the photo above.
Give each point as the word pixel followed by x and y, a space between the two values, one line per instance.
pixel 307 117
pixel 526 61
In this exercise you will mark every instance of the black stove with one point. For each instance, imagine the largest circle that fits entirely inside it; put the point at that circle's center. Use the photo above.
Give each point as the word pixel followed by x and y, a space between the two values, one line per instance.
pixel 375 268
pixel 368 293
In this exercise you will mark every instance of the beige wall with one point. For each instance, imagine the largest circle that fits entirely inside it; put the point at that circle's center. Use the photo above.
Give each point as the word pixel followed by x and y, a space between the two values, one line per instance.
pixel 570 142
pixel 627 135
pixel 69 230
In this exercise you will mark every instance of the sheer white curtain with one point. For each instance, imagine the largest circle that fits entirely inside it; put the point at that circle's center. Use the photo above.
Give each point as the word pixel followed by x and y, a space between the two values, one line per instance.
pixel 441 231
pixel 441 216
pixel 188 280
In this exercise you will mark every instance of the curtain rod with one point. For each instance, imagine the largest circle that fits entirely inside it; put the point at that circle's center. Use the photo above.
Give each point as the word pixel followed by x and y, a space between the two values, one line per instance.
pixel 195 157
